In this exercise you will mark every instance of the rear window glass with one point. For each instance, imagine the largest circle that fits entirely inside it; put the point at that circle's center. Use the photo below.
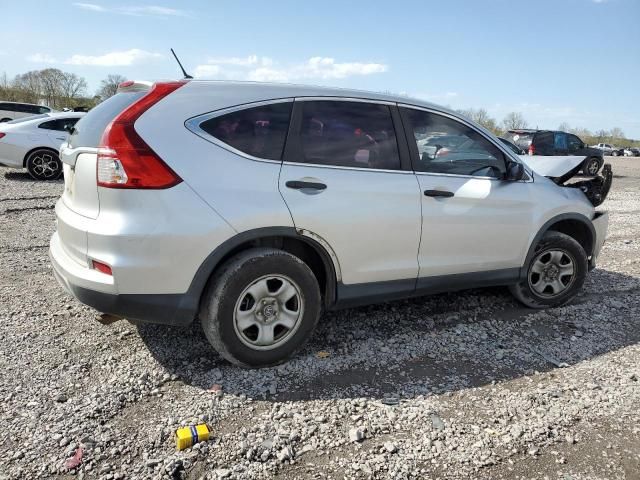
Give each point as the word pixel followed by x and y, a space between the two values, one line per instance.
pixel 259 131
pixel 348 134
pixel 88 131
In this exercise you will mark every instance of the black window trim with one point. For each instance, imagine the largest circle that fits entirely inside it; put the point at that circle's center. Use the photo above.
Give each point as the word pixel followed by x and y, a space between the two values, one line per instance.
pixel 293 149
pixel 193 125
pixel 52 120
pixel 413 147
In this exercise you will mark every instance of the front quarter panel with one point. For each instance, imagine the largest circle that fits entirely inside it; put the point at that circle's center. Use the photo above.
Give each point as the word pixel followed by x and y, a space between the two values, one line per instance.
pixel 556 201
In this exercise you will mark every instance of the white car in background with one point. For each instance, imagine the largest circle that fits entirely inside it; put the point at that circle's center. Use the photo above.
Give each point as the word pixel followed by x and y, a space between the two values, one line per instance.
pixel 33 143
pixel 14 110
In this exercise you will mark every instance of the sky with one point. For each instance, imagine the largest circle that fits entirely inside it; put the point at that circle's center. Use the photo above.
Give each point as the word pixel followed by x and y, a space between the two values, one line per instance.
pixel 555 61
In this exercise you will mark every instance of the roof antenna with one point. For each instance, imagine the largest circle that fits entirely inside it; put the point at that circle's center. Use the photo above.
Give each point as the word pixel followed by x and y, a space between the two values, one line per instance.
pixel 186 75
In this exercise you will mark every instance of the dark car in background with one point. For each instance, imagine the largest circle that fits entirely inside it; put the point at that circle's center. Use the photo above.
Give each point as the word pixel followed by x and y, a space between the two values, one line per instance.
pixel 553 142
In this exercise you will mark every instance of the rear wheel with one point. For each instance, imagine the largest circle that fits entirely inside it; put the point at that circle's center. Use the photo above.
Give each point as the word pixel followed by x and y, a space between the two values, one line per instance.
pixel 43 164
pixel 6 119
pixel 555 273
pixel 261 307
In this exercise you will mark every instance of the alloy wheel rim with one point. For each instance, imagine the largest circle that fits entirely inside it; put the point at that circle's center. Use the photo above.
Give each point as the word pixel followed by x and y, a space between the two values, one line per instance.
pixel 593 167
pixel 552 273
pixel 44 165
pixel 268 312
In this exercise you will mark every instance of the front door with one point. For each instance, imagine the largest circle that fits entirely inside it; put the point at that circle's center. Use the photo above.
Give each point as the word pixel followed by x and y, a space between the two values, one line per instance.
pixel 473 220
pixel 343 181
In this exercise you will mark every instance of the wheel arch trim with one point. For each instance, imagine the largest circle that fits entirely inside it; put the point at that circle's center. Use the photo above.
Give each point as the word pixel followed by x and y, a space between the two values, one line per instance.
pixel 193 296
pixel 547 227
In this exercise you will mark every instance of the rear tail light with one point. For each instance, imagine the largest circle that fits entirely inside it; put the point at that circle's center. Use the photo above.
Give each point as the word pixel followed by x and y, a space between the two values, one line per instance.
pixel 124 158
pixel 532 149
pixel 2 134
pixel 101 267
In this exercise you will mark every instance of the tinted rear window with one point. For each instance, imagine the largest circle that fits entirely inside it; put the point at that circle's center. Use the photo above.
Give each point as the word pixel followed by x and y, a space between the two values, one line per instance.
pixel 258 131
pixel 89 129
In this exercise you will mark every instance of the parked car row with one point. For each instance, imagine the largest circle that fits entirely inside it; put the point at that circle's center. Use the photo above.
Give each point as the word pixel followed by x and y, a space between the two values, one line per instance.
pixel 610 150
pixel 301 199
pixel 632 152
pixel 556 143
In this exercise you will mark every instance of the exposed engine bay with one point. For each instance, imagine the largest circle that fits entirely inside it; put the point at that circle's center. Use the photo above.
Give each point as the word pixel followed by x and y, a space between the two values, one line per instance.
pixel 561 169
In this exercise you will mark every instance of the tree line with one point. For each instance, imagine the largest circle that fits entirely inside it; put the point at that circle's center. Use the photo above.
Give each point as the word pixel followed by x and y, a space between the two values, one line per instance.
pixel 515 120
pixel 58 90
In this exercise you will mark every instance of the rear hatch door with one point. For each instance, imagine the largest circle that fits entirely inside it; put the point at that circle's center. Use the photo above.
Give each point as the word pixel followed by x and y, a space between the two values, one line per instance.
pixel 80 153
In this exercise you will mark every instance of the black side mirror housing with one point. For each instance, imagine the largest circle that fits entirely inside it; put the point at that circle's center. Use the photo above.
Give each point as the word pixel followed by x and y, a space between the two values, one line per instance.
pixel 515 171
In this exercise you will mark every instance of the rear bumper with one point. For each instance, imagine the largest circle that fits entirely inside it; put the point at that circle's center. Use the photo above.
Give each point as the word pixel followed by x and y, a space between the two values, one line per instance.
pixel 600 224
pixel 97 290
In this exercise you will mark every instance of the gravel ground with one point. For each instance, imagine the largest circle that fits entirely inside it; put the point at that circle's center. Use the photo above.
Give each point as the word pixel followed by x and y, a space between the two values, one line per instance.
pixel 464 385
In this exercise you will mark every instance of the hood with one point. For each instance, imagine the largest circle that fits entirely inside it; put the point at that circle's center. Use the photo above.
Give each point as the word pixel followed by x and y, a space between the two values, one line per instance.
pixel 557 168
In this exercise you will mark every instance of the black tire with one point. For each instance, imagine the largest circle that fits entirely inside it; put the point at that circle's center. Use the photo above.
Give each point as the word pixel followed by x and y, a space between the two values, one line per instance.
pixel 592 166
pixel 550 242
pixel 44 164
pixel 6 119
pixel 223 298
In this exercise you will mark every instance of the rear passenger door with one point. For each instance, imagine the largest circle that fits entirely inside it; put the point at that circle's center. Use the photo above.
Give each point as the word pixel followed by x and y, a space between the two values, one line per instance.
pixel 346 178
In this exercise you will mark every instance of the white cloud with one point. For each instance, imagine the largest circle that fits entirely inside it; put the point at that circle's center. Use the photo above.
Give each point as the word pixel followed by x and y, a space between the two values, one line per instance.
pixel 265 69
pixel 151 10
pixel 136 11
pixel 241 61
pixel 113 59
pixel 206 71
pixel 41 58
pixel 90 6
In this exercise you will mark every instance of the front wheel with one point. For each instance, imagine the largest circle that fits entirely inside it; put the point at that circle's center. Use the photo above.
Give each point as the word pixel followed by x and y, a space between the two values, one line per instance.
pixel 44 164
pixel 592 166
pixel 555 273
pixel 261 307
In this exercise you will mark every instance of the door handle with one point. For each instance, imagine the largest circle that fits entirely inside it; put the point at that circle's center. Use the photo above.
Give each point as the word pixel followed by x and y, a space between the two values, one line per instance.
pixel 438 193
pixel 299 185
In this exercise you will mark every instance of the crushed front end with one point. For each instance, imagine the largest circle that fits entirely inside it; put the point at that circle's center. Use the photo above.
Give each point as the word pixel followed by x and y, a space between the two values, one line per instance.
pixel 597 188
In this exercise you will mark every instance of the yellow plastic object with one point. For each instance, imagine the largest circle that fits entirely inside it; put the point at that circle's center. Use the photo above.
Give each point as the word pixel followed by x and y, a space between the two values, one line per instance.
pixel 188 436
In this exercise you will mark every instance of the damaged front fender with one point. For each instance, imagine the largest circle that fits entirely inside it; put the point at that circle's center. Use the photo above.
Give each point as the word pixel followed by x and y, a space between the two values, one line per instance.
pixel 562 169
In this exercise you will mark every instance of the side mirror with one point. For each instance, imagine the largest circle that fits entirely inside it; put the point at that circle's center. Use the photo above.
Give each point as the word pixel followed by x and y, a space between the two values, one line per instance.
pixel 515 171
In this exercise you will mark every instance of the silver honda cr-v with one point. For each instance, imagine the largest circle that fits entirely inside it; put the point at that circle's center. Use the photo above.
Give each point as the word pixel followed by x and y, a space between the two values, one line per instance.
pixel 255 206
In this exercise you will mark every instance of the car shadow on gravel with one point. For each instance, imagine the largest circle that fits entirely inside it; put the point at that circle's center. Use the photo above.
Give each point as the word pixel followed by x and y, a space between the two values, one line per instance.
pixel 20 176
pixel 423 346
